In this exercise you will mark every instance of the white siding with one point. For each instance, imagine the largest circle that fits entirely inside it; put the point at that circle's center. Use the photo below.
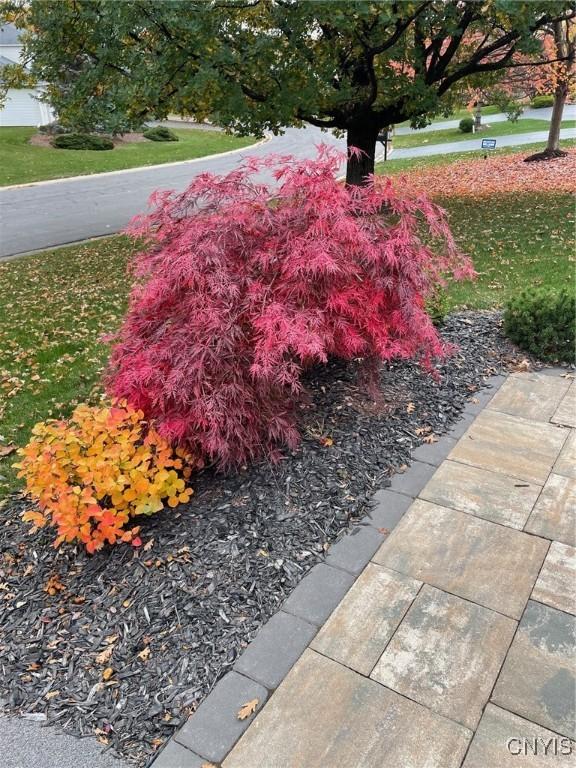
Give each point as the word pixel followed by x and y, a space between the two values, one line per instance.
pixel 21 108
pixel 11 52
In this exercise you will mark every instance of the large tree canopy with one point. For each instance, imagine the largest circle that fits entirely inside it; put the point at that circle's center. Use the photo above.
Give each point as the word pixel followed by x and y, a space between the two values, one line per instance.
pixel 256 65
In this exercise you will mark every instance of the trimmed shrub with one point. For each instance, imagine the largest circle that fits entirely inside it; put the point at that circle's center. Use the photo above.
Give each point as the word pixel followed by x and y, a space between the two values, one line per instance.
pixel 160 133
pixel 544 100
pixel 94 472
pixel 242 285
pixel 82 141
pixel 542 322
pixel 466 125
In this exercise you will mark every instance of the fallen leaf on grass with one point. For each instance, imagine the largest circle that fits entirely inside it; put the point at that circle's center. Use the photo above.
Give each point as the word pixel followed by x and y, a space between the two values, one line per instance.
pixel 247 709
pixel 6 450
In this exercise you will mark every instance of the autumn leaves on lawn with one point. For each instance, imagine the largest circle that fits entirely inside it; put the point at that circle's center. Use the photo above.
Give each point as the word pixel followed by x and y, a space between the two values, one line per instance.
pixel 239 287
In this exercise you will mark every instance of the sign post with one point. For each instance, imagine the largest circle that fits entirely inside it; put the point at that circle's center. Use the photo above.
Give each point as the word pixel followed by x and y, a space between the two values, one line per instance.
pixel 488 144
pixel 386 139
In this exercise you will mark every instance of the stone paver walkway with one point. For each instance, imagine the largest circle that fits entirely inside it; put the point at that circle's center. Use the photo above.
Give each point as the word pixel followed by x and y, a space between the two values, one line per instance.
pixel 455 645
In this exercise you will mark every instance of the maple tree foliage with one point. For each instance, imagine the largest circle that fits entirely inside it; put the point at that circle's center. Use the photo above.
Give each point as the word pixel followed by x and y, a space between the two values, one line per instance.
pixel 497 175
pixel 242 285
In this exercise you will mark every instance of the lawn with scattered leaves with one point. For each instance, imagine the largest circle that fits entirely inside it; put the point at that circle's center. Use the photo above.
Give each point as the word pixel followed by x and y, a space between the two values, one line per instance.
pixel 515 241
pixel 56 307
pixel 21 163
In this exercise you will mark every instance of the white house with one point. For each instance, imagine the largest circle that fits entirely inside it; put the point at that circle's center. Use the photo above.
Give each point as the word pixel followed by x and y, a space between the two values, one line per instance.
pixel 22 106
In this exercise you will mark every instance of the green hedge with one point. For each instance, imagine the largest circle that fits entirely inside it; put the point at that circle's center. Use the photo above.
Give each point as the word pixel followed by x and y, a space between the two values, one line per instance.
pixel 543 323
pixel 82 141
pixel 160 133
pixel 466 124
pixel 545 100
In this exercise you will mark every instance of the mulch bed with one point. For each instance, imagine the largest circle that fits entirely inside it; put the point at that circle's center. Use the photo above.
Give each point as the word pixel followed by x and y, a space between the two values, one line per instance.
pixel 126 643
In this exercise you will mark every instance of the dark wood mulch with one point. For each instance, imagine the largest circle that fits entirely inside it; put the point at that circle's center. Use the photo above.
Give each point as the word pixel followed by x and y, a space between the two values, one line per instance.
pixel 168 620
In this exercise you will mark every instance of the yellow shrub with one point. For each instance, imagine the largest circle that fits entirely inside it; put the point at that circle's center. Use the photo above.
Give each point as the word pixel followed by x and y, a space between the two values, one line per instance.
pixel 92 473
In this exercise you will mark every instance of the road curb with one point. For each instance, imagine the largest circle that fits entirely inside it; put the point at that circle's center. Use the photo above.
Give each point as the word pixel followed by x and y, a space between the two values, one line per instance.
pixel 136 169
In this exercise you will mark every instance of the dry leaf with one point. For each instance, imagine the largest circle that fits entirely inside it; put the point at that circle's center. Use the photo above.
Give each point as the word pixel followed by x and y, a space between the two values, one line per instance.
pixel 422 430
pixel 54 585
pixel 523 365
pixel 410 408
pixel 104 657
pixel 207 765
pixel 148 546
pixel 52 694
pixel 430 439
pixel 6 450
pixel 111 638
pixel 107 674
pixel 247 709
pixel 145 654
pixel 326 442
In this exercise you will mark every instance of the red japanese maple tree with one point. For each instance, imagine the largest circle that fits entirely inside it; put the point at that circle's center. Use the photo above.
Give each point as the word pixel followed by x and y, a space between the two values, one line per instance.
pixel 242 284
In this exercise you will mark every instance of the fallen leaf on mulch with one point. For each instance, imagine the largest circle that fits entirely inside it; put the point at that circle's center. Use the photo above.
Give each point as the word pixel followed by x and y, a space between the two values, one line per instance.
pixel 145 654
pixel 430 439
pixel 104 657
pixel 410 408
pixel 247 709
pixel 107 674
pixel 327 442
pixel 54 585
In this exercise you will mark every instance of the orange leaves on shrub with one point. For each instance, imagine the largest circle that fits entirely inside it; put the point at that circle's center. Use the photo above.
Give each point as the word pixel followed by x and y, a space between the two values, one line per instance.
pixel 94 472
pixel 496 175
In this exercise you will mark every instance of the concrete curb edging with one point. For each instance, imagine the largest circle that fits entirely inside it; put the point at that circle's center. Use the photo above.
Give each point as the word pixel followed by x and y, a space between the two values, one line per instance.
pixel 192 160
pixel 213 730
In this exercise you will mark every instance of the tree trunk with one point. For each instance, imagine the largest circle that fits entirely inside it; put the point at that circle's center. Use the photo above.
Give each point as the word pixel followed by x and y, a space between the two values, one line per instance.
pixel 362 135
pixel 556 119
pixel 553 145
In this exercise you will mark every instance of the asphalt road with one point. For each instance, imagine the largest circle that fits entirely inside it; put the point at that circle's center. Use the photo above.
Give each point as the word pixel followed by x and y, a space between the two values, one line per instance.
pixel 25 744
pixel 51 213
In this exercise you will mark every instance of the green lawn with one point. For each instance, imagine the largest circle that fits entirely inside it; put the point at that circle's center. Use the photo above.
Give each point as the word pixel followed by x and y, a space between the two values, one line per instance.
pixel 57 304
pixel 419 138
pixel 20 162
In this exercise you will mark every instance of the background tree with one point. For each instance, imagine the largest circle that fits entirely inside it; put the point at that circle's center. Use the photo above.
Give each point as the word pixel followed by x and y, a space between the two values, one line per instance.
pixel 559 78
pixel 257 65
